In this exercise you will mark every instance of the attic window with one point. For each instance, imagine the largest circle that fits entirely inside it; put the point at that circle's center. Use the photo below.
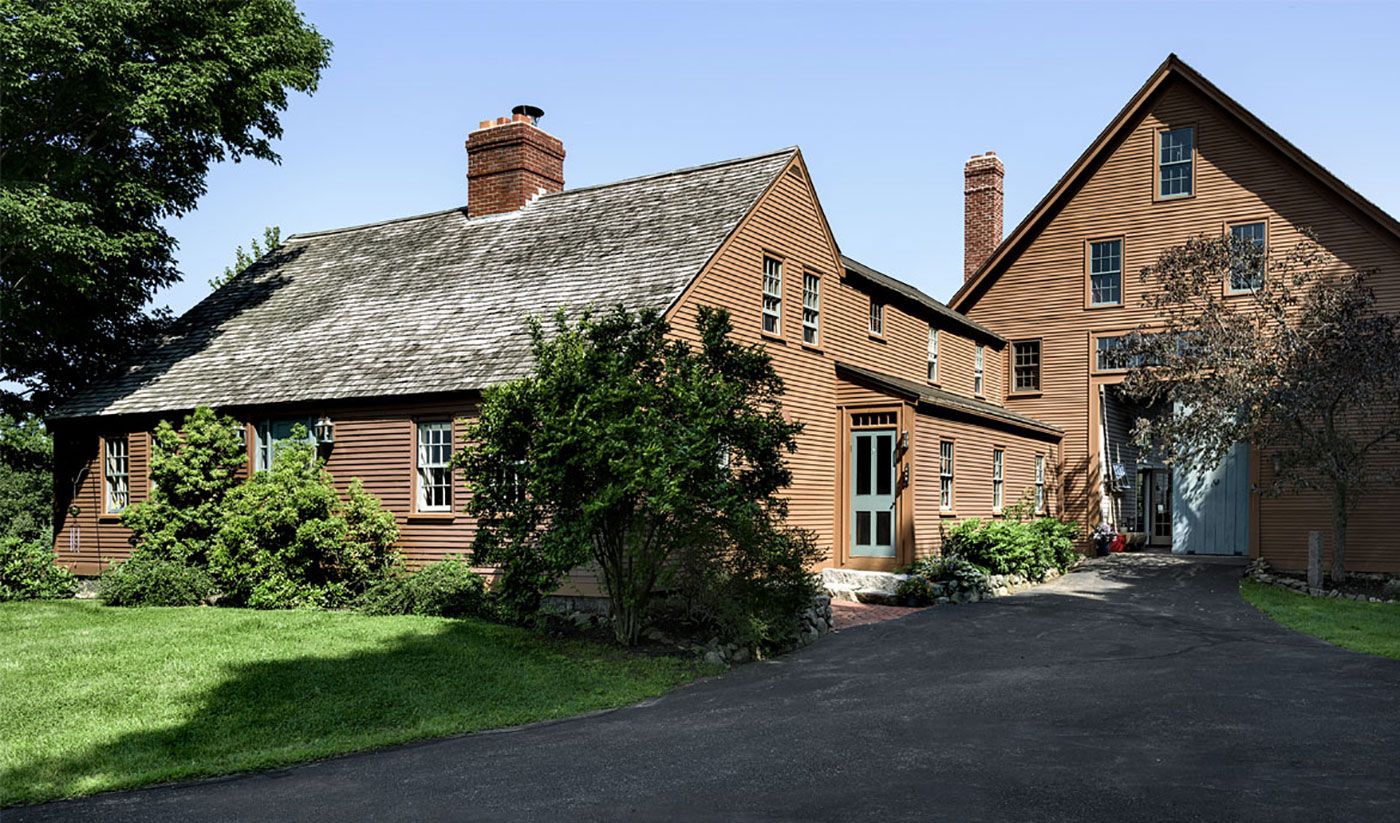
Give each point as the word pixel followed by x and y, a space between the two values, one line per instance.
pixel 1175 151
pixel 795 173
pixel 772 296
pixel 877 318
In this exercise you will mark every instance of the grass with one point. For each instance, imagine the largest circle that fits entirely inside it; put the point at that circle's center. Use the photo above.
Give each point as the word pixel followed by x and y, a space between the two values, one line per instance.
pixel 1373 628
pixel 99 698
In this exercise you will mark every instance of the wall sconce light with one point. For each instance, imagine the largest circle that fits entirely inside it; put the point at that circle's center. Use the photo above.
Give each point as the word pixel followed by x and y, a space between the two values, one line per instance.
pixel 325 431
pixel 904 440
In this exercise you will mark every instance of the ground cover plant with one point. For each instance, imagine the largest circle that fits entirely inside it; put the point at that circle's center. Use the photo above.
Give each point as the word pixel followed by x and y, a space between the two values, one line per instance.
pixel 1373 628
pixel 98 699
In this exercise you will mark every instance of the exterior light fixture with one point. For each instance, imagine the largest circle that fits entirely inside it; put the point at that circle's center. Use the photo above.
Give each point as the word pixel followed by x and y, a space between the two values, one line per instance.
pixel 325 431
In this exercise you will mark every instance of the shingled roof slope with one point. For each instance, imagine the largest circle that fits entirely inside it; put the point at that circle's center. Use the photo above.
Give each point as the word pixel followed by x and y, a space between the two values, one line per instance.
pixel 434 303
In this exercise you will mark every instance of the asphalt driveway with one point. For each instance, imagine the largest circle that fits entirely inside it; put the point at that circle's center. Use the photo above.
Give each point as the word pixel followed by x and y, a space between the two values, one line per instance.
pixel 1134 688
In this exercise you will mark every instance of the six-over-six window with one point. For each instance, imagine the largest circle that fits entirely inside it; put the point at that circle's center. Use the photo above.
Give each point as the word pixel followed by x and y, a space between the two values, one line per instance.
pixel 434 471
pixel 1175 153
pixel 1025 366
pixel 1106 273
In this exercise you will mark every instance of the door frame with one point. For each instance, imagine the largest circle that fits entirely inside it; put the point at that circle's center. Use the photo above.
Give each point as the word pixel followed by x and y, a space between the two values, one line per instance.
pixel 841 556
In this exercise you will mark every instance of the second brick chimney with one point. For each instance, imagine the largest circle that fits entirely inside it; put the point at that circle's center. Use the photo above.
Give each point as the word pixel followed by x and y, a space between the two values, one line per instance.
pixel 982 176
pixel 510 160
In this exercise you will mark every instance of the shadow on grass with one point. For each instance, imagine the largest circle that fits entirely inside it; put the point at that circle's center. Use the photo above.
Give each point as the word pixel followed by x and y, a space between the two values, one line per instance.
pixel 464 677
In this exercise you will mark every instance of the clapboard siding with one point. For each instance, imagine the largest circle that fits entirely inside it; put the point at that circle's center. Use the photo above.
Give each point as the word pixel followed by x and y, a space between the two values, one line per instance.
pixel 1040 292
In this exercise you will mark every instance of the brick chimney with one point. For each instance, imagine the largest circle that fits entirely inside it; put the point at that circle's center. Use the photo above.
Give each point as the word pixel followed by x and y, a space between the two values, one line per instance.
pixel 983 176
pixel 510 160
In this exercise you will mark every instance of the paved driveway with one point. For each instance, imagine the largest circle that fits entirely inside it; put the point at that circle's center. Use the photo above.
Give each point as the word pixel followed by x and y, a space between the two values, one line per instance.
pixel 1135 688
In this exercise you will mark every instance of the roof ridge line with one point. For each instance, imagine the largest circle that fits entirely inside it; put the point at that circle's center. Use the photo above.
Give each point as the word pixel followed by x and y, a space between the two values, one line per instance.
pixel 321 233
pixel 683 170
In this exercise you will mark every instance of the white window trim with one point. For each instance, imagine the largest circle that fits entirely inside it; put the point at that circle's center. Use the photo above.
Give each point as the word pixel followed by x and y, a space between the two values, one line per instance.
pixel 1040 484
pixel 116 474
pixel 998 479
pixel 772 297
pixel 979 371
pixel 947 456
pixel 932 354
pixel 877 318
pixel 811 309
pixel 422 467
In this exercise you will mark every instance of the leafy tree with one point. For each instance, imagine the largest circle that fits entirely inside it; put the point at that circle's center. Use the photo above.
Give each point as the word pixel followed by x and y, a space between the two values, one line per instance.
pixel 634 452
pixel 26 478
pixel 113 112
pixel 1304 366
pixel 287 539
pixel 192 472
pixel 272 238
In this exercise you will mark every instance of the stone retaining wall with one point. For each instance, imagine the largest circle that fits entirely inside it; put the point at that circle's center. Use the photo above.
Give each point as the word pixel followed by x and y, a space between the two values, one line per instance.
pixel 1260 571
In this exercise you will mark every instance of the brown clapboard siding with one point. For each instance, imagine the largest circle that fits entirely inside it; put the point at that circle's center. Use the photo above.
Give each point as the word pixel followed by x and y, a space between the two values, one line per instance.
pixel 1039 291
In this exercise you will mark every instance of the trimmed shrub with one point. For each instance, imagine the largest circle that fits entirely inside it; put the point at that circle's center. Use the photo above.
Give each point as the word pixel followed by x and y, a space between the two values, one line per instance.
pixel 28 571
pixel 1014 547
pixel 448 588
pixel 151 580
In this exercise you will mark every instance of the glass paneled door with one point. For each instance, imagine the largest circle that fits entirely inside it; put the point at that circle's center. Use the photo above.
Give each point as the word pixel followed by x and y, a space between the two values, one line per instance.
pixel 872 492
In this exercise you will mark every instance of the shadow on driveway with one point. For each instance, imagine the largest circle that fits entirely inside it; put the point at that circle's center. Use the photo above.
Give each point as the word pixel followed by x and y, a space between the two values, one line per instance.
pixel 1133 688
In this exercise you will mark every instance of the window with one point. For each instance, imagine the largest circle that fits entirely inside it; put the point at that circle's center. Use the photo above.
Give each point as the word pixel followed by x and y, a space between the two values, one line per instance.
pixel 1104 358
pixel 1106 273
pixel 271 434
pixel 979 360
pixel 877 318
pixel 1247 243
pixel 772 296
pixel 932 355
pixel 1025 365
pixel 434 474
pixel 117 470
pixel 1040 483
pixel 998 478
pixel 811 309
pixel 945 475
pixel 512 482
pixel 1174 154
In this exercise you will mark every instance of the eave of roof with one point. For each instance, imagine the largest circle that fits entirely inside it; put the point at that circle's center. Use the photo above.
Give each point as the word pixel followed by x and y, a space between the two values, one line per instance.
pixel 1171 68
pixel 948 317
pixel 939 398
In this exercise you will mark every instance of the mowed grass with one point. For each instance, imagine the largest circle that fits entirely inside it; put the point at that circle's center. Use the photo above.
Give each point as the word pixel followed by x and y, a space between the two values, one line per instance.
pixel 1373 628
pixel 98 698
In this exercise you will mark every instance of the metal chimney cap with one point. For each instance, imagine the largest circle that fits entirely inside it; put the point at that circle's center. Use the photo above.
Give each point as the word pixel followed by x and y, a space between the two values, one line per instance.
pixel 532 112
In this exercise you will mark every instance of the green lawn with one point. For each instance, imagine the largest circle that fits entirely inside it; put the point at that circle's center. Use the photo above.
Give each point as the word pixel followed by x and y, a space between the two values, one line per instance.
pixel 1373 628
pixel 97 698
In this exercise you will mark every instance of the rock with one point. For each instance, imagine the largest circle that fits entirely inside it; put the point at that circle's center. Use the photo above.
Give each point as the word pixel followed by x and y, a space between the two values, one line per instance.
pixel 943 601
pixel 713 658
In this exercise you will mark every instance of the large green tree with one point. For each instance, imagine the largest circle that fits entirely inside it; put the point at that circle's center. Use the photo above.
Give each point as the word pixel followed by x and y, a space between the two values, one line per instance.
pixel 1287 351
pixel 112 112
pixel 642 455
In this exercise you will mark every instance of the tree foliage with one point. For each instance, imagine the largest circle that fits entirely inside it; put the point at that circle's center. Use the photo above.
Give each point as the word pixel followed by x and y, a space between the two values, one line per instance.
pixel 192 473
pixel 272 238
pixel 639 454
pixel 113 112
pixel 1304 366
pixel 26 478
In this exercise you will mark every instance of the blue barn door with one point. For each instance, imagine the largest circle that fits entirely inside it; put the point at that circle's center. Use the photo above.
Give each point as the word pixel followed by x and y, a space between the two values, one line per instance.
pixel 1210 509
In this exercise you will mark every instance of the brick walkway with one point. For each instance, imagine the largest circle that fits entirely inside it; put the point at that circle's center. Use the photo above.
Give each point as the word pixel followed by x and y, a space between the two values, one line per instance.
pixel 846 614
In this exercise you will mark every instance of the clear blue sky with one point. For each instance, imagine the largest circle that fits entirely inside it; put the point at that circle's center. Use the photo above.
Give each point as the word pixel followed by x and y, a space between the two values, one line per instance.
pixel 886 100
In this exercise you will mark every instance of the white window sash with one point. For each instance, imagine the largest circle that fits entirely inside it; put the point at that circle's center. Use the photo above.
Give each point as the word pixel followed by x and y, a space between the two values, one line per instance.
pixel 933 354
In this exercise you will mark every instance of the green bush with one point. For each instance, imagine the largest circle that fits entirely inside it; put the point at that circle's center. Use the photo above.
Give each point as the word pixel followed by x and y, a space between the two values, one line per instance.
pixel 288 541
pixel 28 571
pixel 26 479
pixel 1027 548
pixel 448 588
pixel 151 580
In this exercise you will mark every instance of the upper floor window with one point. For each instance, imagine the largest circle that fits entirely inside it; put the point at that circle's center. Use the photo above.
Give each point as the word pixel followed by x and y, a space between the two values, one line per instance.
pixel 117 474
pixel 945 475
pixel 1106 356
pixel 811 308
pixel 772 296
pixel 1025 365
pixel 998 478
pixel 1247 241
pixel 877 318
pixel 932 354
pixel 1175 151
pixel 1040 483
pixel 1106 273
pixel 434 472
pixel 979 361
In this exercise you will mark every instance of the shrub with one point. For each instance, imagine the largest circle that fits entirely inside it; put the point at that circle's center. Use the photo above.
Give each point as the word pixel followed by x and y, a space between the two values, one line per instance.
pixel 151 580
pixel 192 473
pixel 26 479
pixel 448 588
pixel 28 571
pixel 287 540
pixel 1025 548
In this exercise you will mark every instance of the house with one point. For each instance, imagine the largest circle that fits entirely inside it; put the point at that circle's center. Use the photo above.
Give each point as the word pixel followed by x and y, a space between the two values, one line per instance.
pixel 1181 159
pixel 382 337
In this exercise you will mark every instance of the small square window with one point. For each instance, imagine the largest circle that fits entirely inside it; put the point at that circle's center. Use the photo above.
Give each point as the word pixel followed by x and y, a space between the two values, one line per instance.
pixel 1175 153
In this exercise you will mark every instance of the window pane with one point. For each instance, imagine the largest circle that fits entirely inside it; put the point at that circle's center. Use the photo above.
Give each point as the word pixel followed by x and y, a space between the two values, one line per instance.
pixel 884 463
pixel 1026 366
pixel 882 529
pixel 863 464
pixel 877 318
pixel 1106 272
pixel 772 295
pixel 1174 161
pixel 862 528
pixel 1247 270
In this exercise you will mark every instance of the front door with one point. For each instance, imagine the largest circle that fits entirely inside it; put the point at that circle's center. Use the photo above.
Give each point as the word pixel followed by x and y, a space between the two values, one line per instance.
pixel 1159 508
pixel 872 492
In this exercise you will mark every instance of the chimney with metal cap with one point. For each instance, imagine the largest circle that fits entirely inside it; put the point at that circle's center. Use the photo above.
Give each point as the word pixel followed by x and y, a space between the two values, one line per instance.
pixel 510 161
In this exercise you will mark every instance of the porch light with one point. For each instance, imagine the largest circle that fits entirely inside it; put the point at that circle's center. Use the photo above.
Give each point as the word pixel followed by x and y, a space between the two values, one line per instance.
pixel 325 431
